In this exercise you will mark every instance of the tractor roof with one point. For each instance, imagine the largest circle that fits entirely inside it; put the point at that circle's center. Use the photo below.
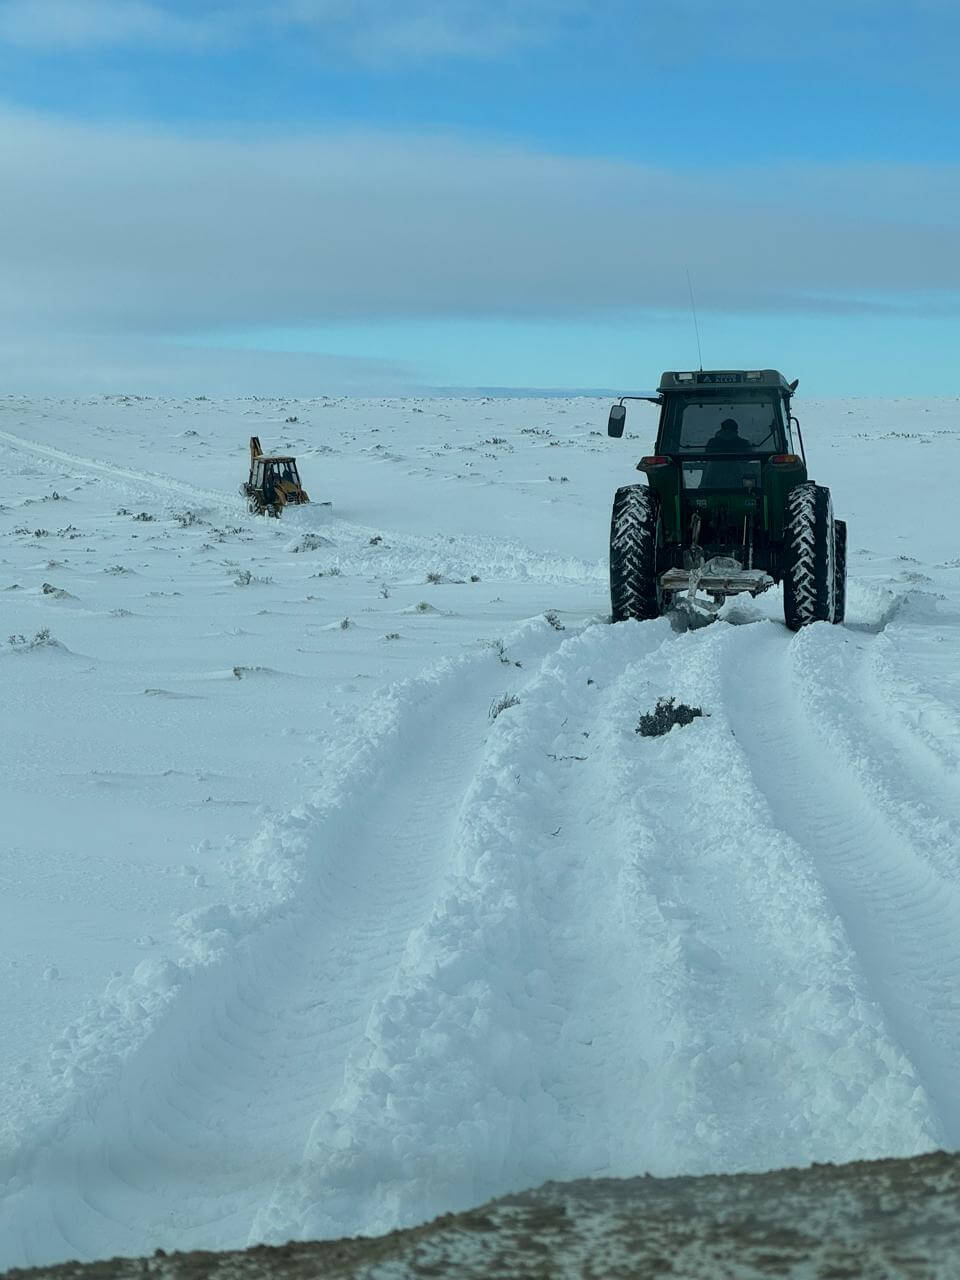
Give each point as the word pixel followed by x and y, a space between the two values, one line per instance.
pixel 275 457
pixel 724 379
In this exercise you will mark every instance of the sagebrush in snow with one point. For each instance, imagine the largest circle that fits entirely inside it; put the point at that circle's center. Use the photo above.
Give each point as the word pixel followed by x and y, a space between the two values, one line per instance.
pixel 667 713
pixel 185 519
pixel 502 703
pixel 497 647
pixel 311 542
pixel 41 640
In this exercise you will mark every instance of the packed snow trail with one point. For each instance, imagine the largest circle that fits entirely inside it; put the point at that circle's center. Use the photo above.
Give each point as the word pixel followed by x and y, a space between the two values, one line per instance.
pixel 637 968
pixel 545 947
pixel 839 775
pixel 187 1139
pixel 122 477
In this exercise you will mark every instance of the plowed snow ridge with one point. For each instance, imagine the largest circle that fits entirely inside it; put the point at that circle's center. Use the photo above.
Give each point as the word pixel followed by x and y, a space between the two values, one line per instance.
pixel 530 949
pixel 251 1044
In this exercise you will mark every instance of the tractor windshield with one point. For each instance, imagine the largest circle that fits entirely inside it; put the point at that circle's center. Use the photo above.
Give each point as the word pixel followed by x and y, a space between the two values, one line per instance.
pixel 717 425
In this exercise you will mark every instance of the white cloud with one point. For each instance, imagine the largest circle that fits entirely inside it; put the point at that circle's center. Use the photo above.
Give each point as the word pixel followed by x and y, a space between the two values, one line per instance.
pixel 123 233
pixel 826 33
pixel 87 24
pixel 385 31
pixel 368 30
pixel 58 364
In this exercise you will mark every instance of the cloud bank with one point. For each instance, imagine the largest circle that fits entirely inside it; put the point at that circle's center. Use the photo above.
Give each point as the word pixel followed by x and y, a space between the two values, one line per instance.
pixel 398 32
pixel 149 230
pixel 77 25
pixel 379 31
pixel 112 234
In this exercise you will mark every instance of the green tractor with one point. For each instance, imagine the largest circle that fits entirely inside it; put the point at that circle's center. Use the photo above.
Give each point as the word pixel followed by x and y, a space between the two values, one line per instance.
pixel 727 507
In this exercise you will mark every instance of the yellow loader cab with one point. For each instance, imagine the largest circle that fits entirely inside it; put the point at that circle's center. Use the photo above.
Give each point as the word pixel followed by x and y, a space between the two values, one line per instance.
pixel 274 482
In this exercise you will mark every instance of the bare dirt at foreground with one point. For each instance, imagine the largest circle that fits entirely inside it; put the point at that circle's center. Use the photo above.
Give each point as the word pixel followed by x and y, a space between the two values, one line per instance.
pixel 876 1219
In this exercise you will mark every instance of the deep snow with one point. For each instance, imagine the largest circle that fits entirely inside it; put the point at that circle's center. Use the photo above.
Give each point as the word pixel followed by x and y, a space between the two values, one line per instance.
pixel 299 938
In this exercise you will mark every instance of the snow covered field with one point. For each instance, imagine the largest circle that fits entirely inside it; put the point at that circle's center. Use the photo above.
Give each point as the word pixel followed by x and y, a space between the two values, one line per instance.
pixel 298 938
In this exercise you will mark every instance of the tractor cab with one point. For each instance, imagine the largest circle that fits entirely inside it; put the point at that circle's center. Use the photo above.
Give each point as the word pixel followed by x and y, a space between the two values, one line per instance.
pixel 722 504
pixel 272 474
pixel 722 440
pixel 727 451
pixel 724 458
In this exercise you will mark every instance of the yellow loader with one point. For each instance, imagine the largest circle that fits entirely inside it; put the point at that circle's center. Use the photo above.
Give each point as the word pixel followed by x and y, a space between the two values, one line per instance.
pixel 274 482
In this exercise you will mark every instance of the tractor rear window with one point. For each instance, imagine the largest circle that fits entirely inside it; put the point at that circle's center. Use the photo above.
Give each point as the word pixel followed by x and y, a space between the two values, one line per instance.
pixel 717 425
pixel 731 473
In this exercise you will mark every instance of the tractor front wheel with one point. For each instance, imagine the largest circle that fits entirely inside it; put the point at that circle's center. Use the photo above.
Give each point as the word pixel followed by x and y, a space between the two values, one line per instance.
pixel 636 534
pixel 809 559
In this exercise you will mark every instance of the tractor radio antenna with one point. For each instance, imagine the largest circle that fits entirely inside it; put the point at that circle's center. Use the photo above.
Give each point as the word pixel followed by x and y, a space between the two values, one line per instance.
pixel 696 323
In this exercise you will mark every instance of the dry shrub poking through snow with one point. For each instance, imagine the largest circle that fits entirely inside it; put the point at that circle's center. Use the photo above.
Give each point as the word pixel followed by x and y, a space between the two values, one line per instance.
pixel 667 713
pixel 186 519
pixel 502 703
pixel 497 647
pixel 42 640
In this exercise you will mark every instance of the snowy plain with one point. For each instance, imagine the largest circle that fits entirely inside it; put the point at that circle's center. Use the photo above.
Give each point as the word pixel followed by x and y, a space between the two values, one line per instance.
pixel 300 939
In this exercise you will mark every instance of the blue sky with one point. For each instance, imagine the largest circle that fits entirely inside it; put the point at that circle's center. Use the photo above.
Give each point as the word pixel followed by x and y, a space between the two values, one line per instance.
pixel 384 196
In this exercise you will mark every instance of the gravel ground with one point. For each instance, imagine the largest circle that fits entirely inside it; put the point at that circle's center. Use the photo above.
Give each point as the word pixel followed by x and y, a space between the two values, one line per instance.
pixel 871 1219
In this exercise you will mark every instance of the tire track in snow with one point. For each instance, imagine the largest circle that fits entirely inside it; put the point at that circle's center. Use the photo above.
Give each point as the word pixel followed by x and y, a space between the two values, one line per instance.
pixel 923 732
pixel 892 873
pixel 399 555
pixel 634 969
pixel 152 480
pixel 777 1053
pixel 181 1147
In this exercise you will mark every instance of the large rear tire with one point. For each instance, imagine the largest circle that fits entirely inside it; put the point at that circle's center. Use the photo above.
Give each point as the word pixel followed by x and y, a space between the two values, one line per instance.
pixel 636 533
pixel 839 570
pixel 809 582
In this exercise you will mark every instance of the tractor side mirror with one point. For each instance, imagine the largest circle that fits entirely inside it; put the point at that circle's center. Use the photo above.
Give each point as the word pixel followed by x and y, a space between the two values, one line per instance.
pixel 617 420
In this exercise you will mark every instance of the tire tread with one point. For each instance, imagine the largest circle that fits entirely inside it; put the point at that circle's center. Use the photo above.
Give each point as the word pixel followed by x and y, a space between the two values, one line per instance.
pixel 634 539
